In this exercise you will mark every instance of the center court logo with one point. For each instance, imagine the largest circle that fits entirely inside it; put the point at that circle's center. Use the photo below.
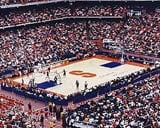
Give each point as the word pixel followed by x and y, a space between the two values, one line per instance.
pixel 82 73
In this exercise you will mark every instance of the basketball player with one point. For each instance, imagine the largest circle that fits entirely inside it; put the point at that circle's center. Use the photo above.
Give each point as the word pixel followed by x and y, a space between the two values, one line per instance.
pixel 48 74
pixel 85 85
pixel 64 72
pixel 49 69
pixel 55 79
pixel 47 77
pixel 77 84
pixel 22 81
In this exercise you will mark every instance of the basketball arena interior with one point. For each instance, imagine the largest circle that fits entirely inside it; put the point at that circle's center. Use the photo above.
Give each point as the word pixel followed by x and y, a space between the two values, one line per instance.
pixel 79 64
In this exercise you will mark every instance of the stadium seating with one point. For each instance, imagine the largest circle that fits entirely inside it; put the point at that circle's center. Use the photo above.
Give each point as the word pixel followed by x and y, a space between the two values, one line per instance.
pixel 47 33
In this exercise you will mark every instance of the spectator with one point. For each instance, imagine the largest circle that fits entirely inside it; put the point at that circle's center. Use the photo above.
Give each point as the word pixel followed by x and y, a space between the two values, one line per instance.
pixel 42 121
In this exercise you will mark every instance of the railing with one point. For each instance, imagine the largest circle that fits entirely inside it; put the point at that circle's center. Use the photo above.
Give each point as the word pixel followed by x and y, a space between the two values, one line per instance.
pixel 82 124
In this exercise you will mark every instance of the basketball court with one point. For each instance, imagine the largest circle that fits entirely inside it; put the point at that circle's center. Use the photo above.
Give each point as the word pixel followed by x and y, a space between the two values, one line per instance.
pixel 94 71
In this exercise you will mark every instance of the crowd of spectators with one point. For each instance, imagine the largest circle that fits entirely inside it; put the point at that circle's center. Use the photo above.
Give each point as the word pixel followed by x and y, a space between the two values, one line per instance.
pixel 12 2
pixel 39 14
pixel 136 105
pixel 21 16
pixel 142 31
pixel 138 33
pixel 9 109
pixel 14 115
pixel 105 10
